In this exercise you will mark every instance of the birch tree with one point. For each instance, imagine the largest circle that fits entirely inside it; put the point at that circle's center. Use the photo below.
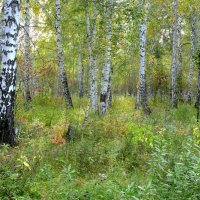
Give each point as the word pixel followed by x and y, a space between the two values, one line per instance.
pixel 11 17
pixel 104 97
pixel 61 64
pixel 174 58
pixel 91 40
pixel 109 101
pixel 2 32
pixel 27 53
pixel 191 74
pixel 142 71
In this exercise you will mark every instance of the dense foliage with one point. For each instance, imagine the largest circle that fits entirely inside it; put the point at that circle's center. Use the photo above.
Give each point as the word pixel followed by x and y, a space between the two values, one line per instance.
pixel 105 103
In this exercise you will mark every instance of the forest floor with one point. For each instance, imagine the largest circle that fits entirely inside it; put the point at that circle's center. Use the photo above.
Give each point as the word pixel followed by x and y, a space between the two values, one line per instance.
pixel 122 155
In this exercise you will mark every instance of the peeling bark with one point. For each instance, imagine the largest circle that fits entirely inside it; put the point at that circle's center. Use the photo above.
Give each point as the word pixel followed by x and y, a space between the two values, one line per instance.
pixel 107 69
pixel 142 72
pixel 2 34
pixel 8 75
pixel 91 40
pixel 61 64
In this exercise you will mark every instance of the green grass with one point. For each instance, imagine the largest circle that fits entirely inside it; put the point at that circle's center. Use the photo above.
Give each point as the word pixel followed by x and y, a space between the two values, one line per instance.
pixel 123 155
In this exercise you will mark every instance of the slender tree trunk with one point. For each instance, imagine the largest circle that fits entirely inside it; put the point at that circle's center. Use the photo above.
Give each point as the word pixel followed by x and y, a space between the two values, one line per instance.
pixel 8 74
pixel 174 58
pixel 87 111
pixel 193 38
pixel 94 93
pixel 62 71
pixel 142 72
pixel 109 102
pixel 179 61
pixel 91 36
pixel 107 69
pixel 197 104
pixel 27 55
pixel 80 75
pixel 2 33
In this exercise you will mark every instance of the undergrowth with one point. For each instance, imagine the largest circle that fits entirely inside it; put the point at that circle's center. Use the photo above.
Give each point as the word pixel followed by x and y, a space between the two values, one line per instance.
pixel 123 155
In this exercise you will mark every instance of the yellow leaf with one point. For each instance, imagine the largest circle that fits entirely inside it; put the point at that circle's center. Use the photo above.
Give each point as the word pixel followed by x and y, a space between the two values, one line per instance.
pixel 27 165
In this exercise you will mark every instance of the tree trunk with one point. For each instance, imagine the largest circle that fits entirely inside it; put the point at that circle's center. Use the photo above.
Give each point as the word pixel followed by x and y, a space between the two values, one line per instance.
pixel 193 38
pixel 109 102
pixel 174 58
pixel 27 54
pixel 180 62
pixel 142 72
pixel 62 71
pixel 87 111
pixel 92 58
pixel 94 94
pixel 8 74
pixel 107 69
pixel 2 33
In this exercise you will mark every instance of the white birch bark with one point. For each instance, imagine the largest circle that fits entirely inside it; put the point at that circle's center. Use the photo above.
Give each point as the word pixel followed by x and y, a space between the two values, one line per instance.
pixel 61 64
pixel 87 112
pixel 142 71
pixel 91 36
pixel 174 58
pixel 2 33
pixel 94 93
pixel 109 101
pixel 107 69
pixel 191 74
pixel 27 53
pixel 8 75
pixel 179 60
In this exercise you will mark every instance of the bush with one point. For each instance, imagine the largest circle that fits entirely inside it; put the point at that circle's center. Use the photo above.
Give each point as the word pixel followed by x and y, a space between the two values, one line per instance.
pixel 174 173
pixel 175 170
